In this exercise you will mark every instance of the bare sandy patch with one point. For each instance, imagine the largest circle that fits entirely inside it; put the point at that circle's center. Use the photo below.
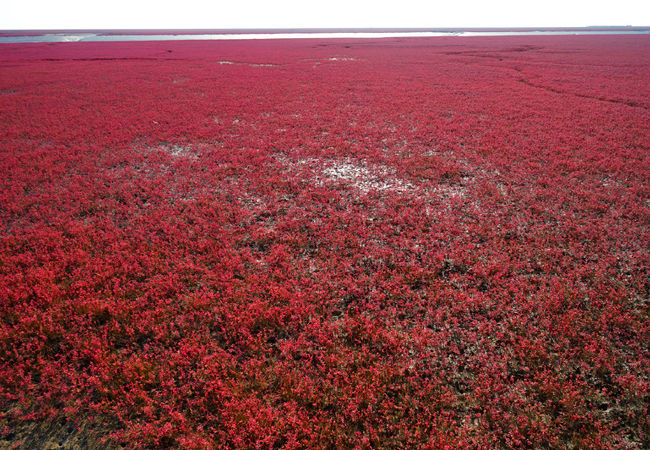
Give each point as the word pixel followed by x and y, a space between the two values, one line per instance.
pixel 358 175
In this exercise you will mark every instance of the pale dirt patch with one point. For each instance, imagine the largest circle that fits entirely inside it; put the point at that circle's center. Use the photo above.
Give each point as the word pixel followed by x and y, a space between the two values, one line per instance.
pixel 359 175
pixel 365 177
pixel 246 64
pixel 178 150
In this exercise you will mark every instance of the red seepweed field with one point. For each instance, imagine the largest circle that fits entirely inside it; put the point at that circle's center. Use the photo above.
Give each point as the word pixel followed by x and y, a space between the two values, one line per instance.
pixel 397 243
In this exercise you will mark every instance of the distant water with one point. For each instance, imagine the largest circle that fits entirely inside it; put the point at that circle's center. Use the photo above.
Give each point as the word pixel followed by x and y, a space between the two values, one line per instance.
pixel 89 37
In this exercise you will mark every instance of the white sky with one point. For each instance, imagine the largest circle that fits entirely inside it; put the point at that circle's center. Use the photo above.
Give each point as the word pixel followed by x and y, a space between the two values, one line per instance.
pixel 142 14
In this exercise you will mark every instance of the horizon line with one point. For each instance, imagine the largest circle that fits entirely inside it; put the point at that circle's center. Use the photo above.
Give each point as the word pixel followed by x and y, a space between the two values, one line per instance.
pixel 334 29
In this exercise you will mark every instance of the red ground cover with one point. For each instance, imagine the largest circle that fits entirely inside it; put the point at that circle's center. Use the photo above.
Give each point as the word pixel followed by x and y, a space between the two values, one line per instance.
pixel 370 243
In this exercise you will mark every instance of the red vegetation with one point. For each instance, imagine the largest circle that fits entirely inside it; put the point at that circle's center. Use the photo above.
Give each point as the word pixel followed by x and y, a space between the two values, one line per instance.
pixel 370 243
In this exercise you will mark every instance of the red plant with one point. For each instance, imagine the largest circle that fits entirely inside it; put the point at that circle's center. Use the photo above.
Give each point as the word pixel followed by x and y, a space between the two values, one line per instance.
pixel 337 243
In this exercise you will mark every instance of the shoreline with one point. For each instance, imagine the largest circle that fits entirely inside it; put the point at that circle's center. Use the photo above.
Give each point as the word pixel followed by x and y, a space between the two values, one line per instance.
pixel 257 35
